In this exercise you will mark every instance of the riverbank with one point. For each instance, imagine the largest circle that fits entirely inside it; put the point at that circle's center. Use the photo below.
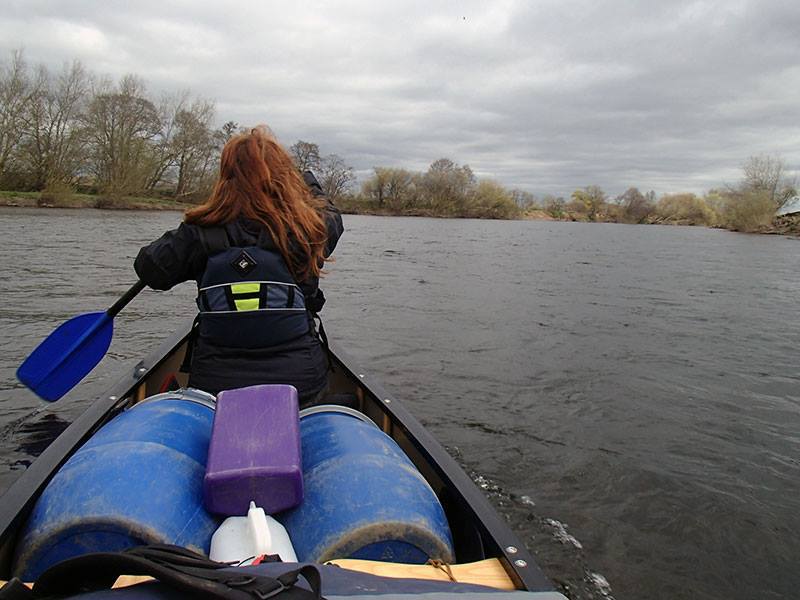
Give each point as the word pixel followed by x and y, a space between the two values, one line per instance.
pixel 75 200
pixel 784 225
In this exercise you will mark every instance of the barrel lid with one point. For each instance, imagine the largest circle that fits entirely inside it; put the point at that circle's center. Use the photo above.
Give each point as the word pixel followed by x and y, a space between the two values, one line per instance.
pixel 188 394
pixel 336 408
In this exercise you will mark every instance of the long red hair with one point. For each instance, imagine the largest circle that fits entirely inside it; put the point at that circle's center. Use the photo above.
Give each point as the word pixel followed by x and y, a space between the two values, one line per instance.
pixel 258 180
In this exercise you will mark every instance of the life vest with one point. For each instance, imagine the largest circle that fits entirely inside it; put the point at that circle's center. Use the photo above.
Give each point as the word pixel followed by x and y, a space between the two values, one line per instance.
pixel 247 296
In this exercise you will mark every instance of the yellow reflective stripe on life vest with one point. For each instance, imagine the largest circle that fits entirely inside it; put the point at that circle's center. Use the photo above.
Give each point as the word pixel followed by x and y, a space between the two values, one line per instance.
pixel 242 289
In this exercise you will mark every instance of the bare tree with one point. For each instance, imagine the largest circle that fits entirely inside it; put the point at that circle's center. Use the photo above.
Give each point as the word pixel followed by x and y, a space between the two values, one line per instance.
pixel 306 155
pixel 121 124
pixel 337 178
pixel 184 149
pixel 765 173
pixel 554 206
pixel 54 141
pixel 524 199
pixel 14 97
pixel 162 147
pixel 227 131
pixel 194 145
pixel 635 206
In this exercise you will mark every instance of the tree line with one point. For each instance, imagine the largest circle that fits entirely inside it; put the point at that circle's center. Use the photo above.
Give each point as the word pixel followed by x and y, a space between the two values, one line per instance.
pixel 749 205
pixel 71 130
pixel 447 189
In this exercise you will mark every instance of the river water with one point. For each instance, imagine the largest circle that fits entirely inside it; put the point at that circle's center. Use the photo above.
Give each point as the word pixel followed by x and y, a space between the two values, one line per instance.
pixel 627 396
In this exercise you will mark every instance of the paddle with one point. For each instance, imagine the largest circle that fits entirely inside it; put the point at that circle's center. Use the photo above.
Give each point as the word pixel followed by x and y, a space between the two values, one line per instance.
pixel 68 354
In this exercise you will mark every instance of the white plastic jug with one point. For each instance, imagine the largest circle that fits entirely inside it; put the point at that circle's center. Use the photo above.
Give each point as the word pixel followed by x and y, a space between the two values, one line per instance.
pixel 241 539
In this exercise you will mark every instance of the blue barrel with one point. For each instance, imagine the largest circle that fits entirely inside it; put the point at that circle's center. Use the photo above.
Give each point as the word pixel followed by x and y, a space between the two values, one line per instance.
pixel 137 481
pixel 363 497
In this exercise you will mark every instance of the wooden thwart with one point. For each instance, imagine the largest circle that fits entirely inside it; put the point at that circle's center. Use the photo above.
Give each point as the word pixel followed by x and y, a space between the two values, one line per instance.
pixel 487 572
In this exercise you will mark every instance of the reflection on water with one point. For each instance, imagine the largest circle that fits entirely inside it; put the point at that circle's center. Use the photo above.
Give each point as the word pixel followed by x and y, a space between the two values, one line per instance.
pixel 34 435
pixel 627 397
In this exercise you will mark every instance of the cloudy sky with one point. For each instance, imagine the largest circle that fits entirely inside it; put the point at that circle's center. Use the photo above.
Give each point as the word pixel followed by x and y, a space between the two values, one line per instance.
pixel 546 95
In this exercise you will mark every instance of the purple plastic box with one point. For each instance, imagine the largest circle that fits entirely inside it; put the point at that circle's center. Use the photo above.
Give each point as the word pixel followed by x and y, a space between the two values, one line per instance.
pixel 254 452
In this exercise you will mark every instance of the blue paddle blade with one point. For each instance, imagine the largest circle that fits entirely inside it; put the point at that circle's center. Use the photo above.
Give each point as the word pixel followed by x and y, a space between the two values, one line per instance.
pixel 67 355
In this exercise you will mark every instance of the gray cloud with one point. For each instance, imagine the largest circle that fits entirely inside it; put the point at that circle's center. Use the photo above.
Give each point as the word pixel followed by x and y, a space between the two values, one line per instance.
pixel 548 97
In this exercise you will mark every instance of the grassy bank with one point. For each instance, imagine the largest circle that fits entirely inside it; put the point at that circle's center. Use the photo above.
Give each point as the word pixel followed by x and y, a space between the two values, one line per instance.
pixel 75 200
pixel 786 225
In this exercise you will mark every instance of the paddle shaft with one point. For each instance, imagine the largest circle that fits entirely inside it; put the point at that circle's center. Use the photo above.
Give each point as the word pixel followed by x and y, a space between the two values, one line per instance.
pixel 71 351
pixel 97 325
pixel 126 298
pixel 110 314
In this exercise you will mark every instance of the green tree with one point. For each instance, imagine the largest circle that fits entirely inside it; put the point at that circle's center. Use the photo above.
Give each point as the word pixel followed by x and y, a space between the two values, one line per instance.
pixel 446 185
pixel 748 210
pixel 490 200
pixel 391 187
pixel 685 209
pixel 593 198
pixel 375 189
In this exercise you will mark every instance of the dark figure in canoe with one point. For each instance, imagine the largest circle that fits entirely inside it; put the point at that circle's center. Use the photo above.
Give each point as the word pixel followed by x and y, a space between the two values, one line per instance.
pixel 256 248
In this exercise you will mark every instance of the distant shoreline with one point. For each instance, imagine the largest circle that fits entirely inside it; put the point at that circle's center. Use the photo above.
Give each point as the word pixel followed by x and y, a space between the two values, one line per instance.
pixel 35 200
pixel 788 225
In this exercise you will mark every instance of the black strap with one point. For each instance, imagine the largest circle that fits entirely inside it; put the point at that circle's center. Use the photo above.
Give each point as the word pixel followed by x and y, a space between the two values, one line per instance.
pixel 178 568
pixel 324 339
pixel 191 340
pixel 229 297
pixel 214 239
pixel 290 296
pixel 262 296
pixel 204 300
pixel 246 295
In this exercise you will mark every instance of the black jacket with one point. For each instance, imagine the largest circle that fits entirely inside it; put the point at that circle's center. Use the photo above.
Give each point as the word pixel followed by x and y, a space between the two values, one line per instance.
pixel 179 255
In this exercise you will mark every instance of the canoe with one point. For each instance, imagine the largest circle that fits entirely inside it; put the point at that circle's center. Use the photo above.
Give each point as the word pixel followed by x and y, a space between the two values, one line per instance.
pixel 486 551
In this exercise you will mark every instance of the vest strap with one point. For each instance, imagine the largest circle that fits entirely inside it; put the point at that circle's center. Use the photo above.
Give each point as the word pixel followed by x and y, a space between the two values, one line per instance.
pixel 229 297
pixel 290 297
pixel 247 296
pixel 214 239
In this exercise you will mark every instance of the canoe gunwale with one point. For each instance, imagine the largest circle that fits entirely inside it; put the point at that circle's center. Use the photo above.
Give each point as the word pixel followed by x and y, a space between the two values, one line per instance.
pixel 18 500
pixel 496 538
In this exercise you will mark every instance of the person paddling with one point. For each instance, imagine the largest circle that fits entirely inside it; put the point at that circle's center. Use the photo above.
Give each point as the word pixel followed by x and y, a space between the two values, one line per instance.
pixel 256 248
